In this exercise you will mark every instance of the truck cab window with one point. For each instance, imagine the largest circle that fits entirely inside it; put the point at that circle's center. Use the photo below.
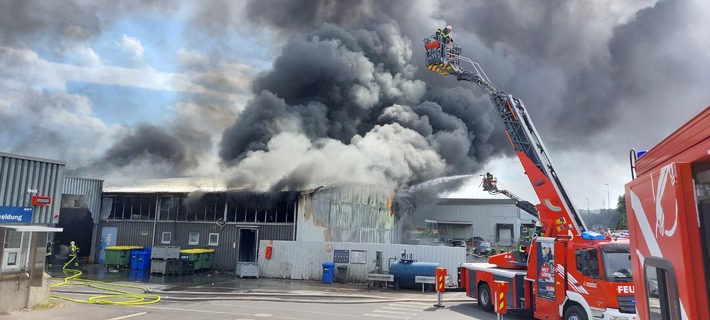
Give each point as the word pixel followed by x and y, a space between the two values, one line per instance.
pixel 661 289
pixel 701 177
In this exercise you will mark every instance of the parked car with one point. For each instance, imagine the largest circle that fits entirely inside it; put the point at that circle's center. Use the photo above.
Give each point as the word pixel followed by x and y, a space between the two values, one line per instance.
pixel 458 243
pixel 484 248
pixel 473 242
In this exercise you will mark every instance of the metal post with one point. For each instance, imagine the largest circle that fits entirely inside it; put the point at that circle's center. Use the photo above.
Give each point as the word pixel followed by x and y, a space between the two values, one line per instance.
pixel 439 300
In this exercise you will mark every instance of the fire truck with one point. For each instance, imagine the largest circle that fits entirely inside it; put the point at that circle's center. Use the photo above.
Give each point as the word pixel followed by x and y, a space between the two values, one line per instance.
pixel 668 210
pixel 567 271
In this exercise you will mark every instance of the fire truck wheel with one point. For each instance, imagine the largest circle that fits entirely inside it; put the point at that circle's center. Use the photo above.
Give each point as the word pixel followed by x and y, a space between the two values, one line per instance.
pixel 575 312
pixel 484 297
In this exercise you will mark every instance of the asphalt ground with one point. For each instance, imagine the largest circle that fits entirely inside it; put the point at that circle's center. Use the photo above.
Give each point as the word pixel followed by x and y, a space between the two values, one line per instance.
pixel 188 294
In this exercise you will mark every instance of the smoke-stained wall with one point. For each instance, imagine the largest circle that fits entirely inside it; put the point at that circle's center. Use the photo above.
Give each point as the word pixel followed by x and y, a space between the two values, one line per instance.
pixel 346 214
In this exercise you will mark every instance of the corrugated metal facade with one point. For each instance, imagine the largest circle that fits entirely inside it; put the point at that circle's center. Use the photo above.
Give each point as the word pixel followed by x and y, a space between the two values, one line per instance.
pixel 19 173
pixel 147 233
pixel 346 214
pixel 480 215
pixel 90 188
pixel 304 259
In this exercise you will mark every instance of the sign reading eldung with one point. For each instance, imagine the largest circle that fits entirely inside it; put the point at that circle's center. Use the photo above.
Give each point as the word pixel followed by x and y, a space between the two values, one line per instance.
pixel 15 214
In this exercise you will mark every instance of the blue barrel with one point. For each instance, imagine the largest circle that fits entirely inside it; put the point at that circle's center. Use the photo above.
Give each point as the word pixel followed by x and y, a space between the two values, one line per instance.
pixel 405 271
pixel 328 272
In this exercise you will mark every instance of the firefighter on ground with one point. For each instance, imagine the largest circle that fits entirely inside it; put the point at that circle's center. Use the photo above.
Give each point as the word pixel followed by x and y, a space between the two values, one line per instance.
pixel 73 250
pixel 49 258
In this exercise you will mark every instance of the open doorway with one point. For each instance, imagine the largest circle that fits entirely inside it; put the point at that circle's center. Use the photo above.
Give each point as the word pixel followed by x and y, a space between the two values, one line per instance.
pixel 248 239
pixel 248 245
pixel 701 175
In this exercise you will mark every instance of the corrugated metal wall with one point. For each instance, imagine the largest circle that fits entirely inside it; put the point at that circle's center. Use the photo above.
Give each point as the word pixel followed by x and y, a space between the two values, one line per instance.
pixel 304 259
pixel 20 173
pixel 90 188
pixel 346 214
pixel 483 214
pixel 141 233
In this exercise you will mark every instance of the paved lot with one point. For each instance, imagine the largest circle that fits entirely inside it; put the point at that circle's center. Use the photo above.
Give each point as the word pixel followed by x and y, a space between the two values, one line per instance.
pixel 224 296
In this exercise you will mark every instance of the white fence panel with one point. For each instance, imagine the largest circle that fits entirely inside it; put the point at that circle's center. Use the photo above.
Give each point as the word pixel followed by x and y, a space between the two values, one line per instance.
pixel 303 259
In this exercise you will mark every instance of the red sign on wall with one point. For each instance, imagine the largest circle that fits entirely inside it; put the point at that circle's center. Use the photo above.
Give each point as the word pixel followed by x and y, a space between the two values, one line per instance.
pixel 41 200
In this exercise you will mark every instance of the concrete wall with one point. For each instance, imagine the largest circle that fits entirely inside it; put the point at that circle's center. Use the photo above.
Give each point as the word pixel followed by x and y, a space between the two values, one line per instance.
pixel 14 289
pixel 303 259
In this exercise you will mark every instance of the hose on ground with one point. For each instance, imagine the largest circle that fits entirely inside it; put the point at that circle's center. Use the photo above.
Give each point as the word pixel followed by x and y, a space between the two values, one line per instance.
pixel 120 292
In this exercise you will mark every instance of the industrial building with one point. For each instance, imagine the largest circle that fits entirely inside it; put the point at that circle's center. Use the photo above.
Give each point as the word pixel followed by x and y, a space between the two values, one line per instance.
pixel 198 213
pixel 496 220
pixel 202 213
pixel 29 192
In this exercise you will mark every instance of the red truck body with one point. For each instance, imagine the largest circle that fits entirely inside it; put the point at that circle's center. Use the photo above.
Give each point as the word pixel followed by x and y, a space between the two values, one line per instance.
pixel 668 209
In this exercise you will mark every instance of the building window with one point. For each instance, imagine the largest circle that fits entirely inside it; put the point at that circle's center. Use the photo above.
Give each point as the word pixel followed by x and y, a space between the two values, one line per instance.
pixel 133 207
pixel 213 239
pixel 11 259
pixel 166 237
pixel 169 206
pixel 194 239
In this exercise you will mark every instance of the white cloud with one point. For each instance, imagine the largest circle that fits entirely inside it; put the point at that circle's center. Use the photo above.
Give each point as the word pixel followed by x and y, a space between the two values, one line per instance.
pixel 192 58
pixel 132 46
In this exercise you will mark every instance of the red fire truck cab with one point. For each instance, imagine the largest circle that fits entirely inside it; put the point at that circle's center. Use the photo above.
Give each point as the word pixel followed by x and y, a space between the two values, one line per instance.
pixel 668 210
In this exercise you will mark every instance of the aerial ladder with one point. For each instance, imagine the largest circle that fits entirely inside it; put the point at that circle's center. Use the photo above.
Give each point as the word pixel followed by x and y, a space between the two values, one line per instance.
pixel 567 272
pixel 556 211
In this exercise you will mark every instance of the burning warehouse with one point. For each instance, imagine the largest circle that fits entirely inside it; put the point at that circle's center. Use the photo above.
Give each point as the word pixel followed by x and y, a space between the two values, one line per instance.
pixel 203 214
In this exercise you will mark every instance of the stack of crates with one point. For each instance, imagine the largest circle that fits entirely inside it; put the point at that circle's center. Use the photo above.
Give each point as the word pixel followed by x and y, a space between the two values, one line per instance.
pixel 201 259
pixel 119 256
pixel 163 256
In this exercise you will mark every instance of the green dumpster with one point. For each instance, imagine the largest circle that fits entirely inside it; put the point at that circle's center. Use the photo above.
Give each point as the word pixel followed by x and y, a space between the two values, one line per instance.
pixel 194 256
pixel 201 258
pixel 207 259
pixel 119 255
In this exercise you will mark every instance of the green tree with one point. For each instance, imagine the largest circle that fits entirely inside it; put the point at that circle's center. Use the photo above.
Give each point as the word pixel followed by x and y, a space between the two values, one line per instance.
pixel 623 223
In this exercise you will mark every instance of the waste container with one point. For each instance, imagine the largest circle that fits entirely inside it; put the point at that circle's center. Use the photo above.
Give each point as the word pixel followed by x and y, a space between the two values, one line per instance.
pixel 342 274
pixel 194 256
pixel 119 255
pixel 328 272
pixel 143 261
pixel 207 259
pixel 136 255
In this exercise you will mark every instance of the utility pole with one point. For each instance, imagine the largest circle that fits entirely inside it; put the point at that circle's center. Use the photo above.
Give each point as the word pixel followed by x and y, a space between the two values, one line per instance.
pixel 608 200
pixel 587 205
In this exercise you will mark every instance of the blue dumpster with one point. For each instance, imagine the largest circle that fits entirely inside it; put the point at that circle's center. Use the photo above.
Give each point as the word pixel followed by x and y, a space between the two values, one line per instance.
pixel 134 258
pixel 328 272
pixel 143 261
